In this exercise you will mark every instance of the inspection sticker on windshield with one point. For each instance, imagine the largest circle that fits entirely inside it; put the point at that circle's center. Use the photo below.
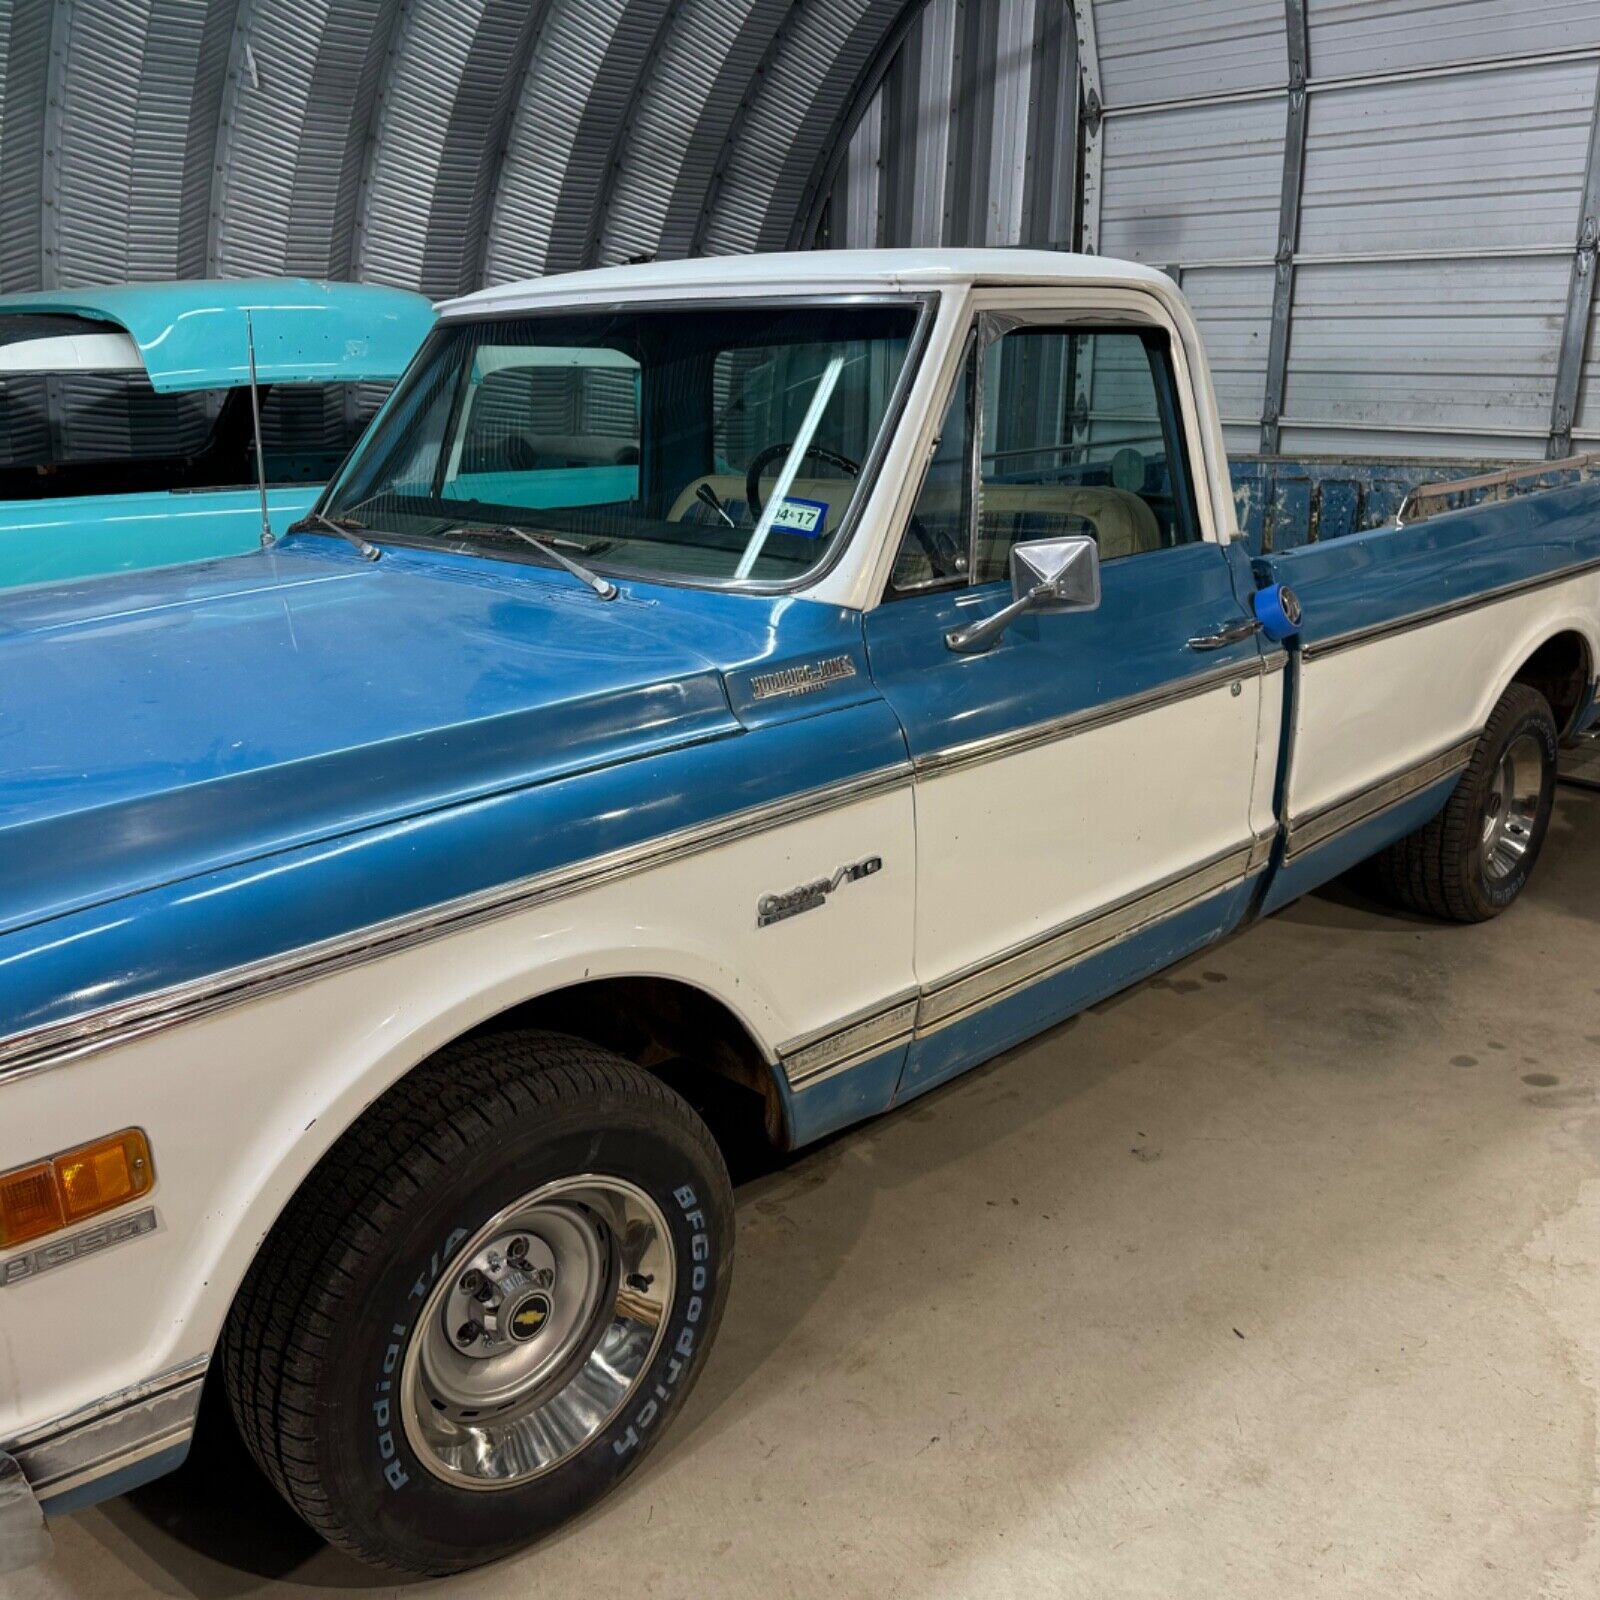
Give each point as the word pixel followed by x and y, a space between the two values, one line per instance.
pixel 805 517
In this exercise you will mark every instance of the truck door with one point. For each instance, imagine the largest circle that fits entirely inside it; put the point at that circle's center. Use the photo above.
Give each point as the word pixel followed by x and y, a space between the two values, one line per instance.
pixel 1083 787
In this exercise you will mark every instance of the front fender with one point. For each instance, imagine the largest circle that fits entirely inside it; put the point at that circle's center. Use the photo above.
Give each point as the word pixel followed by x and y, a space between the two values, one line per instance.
pixel 240 1104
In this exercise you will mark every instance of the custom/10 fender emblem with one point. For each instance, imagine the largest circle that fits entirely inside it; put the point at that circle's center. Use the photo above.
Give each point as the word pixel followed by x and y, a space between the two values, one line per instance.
pixel 776 907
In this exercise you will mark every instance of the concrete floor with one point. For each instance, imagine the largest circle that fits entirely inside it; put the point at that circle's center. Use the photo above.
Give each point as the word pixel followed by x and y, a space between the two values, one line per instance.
pixel 1276 1276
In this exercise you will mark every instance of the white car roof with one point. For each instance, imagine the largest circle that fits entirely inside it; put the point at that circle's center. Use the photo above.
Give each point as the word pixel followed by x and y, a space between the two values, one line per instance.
pixel 802 271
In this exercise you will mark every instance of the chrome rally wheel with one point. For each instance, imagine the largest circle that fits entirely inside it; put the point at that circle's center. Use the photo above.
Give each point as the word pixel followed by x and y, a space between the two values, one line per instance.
pixel 538 1332
pixel 1511 807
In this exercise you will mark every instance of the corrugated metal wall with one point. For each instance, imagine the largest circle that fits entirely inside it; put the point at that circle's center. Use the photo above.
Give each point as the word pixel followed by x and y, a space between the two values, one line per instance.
pixel 1384 210
pixel 970 138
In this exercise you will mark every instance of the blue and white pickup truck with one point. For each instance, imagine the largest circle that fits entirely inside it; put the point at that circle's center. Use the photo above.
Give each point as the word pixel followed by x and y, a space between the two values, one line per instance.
pixel 127 434
pixel 798 677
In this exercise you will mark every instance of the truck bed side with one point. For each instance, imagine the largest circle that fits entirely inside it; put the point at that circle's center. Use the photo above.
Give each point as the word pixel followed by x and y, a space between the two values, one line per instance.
pixel 1410 636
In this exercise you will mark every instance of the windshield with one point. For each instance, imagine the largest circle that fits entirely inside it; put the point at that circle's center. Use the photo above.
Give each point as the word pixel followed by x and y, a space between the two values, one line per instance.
pixel 94 433
pixel 700 445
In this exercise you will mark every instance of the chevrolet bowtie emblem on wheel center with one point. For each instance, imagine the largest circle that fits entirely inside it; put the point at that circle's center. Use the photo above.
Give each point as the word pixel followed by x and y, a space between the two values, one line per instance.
pixel 529 1317
pixel 776 907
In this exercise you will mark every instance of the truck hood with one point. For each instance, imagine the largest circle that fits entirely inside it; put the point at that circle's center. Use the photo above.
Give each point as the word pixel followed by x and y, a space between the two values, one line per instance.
pixel 162 723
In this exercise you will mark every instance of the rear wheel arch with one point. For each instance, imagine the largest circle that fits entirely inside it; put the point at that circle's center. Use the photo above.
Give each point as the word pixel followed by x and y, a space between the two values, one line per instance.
pixel 1473 857
pixel 1560 666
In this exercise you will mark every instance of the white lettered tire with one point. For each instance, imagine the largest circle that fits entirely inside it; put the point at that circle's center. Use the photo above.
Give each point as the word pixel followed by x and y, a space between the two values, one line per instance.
pixel 485 1305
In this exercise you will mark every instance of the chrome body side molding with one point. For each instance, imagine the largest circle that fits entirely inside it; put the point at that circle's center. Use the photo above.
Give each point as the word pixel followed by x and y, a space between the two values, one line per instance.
pixel 112 1435
pixel 846 1044
pixel 56 1043
pixel 1016 740
pixel 808 1061
pixel 962 993
pixel 1318 827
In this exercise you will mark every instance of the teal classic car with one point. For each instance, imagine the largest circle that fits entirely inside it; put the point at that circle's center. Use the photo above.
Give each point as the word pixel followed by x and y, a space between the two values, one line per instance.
pixel 126 433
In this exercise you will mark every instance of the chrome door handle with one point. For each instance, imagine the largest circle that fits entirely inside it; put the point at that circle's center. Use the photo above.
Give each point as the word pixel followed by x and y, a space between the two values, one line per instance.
pixel 1229 633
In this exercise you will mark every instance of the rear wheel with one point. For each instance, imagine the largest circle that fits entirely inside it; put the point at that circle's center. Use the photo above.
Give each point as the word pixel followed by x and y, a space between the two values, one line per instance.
pixel 485 1304
pixel 1473 859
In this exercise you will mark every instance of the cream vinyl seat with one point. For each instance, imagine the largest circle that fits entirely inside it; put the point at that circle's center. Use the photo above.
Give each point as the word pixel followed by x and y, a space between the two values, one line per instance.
pixel 1121 523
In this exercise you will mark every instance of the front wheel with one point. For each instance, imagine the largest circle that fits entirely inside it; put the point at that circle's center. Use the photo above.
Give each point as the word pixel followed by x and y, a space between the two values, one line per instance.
pixel 486 1303
pixel 1473 859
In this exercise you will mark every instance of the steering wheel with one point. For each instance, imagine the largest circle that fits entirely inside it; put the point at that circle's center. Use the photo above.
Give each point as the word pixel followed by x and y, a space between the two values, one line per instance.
pixel 947 559
pixel 763 459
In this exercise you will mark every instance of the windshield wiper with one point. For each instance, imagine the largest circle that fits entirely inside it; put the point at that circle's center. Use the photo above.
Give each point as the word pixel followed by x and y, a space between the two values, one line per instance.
pixel 315 519
pixel 551 544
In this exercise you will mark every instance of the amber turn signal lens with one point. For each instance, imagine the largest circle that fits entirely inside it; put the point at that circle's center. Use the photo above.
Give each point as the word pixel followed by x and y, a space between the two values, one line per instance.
pixel 30 1203
pixel 38 1199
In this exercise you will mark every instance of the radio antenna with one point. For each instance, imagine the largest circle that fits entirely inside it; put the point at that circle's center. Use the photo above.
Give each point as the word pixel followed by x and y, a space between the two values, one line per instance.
pixel 255 418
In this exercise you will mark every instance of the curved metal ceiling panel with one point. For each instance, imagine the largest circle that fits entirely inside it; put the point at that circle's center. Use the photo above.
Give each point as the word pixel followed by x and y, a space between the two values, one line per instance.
pixel 323 223
pixel 669 109
pixel 731 86
pixel 435 144
pixel 802 94
pixel 455 67
pixel 572 48
pixel 138 63
pixel 284 131
pixel 603 130
pixel 28 34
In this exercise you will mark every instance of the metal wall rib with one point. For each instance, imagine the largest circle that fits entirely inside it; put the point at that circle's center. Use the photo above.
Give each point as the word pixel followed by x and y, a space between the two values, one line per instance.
pixel 27 33
pixel 653 148
pixel 456 66
pixel 604 132
pixel 804 92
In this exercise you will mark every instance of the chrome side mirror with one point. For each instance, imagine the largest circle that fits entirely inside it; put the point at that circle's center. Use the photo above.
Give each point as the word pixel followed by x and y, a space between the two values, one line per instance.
pixel 1046 575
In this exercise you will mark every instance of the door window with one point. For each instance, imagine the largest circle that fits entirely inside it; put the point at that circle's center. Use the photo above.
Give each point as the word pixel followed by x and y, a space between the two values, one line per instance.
pixel 1080 435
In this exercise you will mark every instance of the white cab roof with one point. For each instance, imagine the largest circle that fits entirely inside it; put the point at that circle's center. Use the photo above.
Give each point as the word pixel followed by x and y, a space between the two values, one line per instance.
pixel 805 271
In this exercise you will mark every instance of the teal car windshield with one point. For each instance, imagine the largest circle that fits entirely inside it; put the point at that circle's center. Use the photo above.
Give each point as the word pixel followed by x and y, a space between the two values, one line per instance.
pixel 714 445
pixel 110 433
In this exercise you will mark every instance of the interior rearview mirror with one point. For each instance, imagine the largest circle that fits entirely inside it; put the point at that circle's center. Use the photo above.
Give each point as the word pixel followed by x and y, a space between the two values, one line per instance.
pixel 1046 575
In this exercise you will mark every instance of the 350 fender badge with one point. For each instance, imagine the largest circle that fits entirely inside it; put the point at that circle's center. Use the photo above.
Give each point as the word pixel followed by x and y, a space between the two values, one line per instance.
pixel 87 1242
pixel 776 907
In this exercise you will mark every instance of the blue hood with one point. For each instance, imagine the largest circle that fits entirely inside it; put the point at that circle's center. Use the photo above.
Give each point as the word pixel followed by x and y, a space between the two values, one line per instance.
pixel 162 723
